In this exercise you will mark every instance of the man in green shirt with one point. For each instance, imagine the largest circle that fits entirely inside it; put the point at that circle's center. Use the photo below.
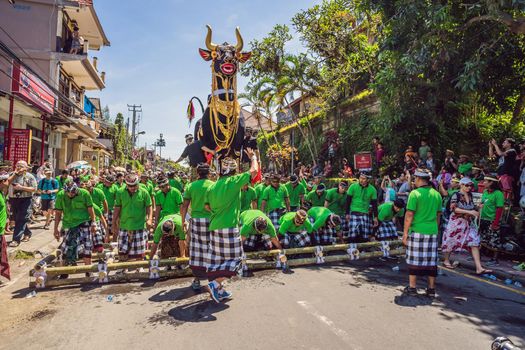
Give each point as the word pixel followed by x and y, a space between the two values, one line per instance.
pixel 110 192
pixel 317 196
pixel 257 231
pixel 325 225
pixel 336 201
pixel 248 198
pixel 492 205
pixel 223 199
pixel 296 192
pixel 132 214
pixel 148 185
pixel 167 200
pixel 175 182
pixel 171 236
pixel 4 262
pixel 387 216
pixel 275 200
pixel 360 196
pixel 99 200
pixel 74 207
pixel 420 233
pixel 62 178
pixel 198 238
pixel 260 187
pixel 295 229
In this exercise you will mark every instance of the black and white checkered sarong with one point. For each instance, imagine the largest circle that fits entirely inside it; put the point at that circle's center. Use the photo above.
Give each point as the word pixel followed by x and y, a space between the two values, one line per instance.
pixel 295 240
pixel 324 236
pixel 255 241
pixel 132 243
pixel 85 240
pixel 98 238
pixel 274 216
pixel 199 245
pixel 422 254
pixel 109 218
pixel 359 227
pixel 386 230
pixel 225 253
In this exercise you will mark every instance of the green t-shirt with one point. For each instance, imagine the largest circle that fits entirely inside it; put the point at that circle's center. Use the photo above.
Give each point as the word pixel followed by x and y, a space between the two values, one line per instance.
pixel 336 201
pixel 178 230
pixel 98 212
pixel 110 194
pixel 295 193
pixel 315 199
pixel 98 197
pixel 259 190
pixel 224 198
pixel 247 219
pixel 3 214
pixel 61 181
pixel 176 183
pixel 275 197
pixel 386 212
pixel 74 210
pixel 247 197
pixel 465 168
pixel 133 208
pixel 169 202
pixel 148 186
pixel 287 225
pixel 491 201
pixel 195 192
pixel 320 215
pixel 423 151
pixel 425 202
pixel 361 197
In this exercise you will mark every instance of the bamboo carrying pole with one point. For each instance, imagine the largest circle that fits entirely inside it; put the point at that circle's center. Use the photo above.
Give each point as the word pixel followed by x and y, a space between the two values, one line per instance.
pixel 56 271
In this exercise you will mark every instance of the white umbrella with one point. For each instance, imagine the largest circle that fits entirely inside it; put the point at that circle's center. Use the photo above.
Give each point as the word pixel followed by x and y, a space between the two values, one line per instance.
pixel 79 164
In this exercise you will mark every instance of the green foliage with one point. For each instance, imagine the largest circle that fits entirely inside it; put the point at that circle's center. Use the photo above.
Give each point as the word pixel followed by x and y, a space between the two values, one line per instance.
pixel 119 139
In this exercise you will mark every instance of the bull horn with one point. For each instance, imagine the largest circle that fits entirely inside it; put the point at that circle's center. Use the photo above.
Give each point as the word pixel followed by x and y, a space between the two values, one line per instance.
pixel 211 46
pixel 240 42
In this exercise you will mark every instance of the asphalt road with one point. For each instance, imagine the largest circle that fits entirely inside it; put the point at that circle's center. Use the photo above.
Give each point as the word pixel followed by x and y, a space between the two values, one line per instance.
pixel 348 306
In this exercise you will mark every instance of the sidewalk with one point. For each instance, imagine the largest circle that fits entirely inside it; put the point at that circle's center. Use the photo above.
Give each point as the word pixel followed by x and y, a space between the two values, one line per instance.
pixel 502 272
pixel 39 240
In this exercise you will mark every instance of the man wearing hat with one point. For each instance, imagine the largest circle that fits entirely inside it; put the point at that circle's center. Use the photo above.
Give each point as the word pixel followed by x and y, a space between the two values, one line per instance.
pixel 325 224
pixel 21 189
pixel 171 236
pixel 194 151
pixel 295 229
pixel 450 164
pixel 275 200
pixel 257 231
pixel 260 187
pixel 167 200
pixel 387 215
pixel 420 233
pixel 198 239
pixel 108 187
pixel 464 165
pixel 296 192
pixel 131 215
pixel 4 262
pixel 335 200
pixel 48 188
pixel 360 196
pixel 317 196
pixel 74 207
pixel 223 201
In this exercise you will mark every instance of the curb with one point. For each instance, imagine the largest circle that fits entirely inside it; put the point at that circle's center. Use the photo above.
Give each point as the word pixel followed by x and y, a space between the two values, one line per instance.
pixel 500 274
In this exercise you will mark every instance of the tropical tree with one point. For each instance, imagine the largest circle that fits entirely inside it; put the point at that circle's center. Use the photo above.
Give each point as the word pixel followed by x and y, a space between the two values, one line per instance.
pixel 119 138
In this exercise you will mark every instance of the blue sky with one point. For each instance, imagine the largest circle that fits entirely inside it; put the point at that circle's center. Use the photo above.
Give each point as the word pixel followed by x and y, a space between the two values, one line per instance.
pixel 153 59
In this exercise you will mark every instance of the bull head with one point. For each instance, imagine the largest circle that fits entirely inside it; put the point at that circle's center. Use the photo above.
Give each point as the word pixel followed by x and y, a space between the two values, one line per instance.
pixel 225 57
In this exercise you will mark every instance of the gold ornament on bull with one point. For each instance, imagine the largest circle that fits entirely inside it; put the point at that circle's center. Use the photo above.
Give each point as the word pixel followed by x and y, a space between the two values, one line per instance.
pixel 224 67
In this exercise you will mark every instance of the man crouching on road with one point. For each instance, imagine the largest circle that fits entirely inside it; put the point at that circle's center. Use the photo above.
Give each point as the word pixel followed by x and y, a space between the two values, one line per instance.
pixel 74 207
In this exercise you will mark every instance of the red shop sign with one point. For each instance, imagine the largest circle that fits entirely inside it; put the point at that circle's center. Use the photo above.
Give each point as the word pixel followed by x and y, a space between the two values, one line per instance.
pixel 363 161
pixel 33 90
pixel 20 145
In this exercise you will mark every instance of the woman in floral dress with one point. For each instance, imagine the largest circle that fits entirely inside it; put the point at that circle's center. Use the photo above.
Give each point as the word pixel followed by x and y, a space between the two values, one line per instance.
pixel 462 231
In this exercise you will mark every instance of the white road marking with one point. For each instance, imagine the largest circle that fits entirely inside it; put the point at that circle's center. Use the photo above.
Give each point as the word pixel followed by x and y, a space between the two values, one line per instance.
pixel 343 335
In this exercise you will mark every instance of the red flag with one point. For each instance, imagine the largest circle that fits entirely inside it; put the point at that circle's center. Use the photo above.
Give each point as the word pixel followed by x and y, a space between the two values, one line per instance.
pixel 4 263
pixel 258 177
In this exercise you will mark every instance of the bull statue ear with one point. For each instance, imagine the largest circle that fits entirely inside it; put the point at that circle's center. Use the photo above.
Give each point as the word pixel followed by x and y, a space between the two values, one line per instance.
pixel 205 54
pixel 243 56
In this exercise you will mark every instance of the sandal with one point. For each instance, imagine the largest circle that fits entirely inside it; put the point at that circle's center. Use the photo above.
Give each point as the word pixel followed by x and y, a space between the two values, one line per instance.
pixel 484 272
pixel 26 239
pixel 14 244
pixel 451 266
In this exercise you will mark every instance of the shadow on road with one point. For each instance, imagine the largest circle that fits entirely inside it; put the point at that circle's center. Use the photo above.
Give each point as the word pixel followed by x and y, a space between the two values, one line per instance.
pixel 173 295
pixel 199 311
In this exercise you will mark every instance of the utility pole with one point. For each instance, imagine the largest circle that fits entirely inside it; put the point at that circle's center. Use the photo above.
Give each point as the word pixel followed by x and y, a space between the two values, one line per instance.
pixel 134 109
pixel 161 142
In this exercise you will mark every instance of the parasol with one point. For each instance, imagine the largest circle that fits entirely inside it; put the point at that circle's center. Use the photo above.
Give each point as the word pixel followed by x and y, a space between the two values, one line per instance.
pixel 80 164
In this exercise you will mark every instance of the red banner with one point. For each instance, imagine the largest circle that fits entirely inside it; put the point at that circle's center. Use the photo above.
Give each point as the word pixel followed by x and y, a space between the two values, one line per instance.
pixel 20 145
pixel 363 161
pixel 32 89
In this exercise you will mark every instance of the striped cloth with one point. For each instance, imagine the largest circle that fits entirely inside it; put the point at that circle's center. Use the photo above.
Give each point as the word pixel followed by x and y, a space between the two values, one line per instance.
pixel 422 254
pixel 225 253
pixel 199 246
pixel 132 244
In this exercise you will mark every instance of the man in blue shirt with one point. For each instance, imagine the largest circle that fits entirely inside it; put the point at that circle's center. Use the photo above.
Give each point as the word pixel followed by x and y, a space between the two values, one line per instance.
pixel 48 188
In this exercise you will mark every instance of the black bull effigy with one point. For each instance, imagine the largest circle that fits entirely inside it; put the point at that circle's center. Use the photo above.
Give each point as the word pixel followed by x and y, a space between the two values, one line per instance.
pixel 221 127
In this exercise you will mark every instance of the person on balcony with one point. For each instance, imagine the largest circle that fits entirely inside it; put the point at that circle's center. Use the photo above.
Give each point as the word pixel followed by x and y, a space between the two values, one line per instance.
pixel 76 42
